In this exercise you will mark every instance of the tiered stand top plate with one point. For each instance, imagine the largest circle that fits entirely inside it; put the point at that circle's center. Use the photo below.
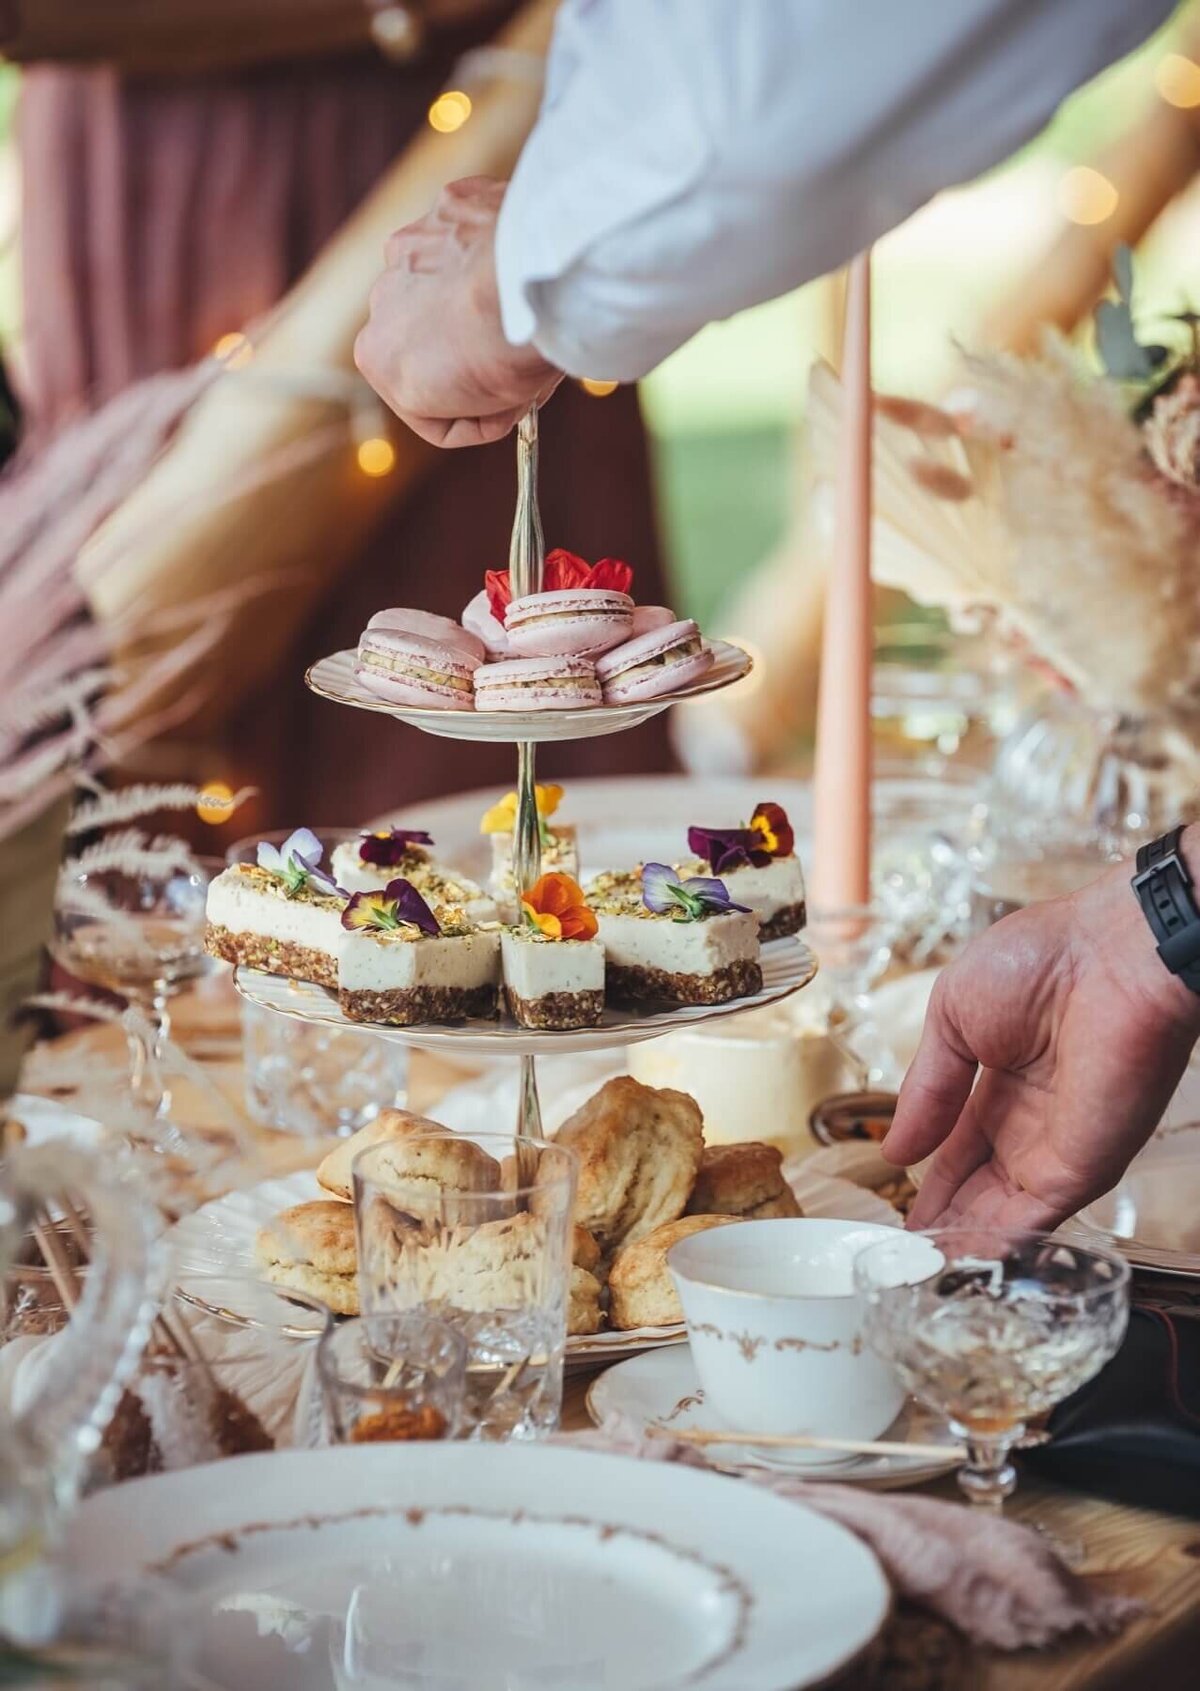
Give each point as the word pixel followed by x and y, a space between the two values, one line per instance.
pixel 787 965
pixel 334 678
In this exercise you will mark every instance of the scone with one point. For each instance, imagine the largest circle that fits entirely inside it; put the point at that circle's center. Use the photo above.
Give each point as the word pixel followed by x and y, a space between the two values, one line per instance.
pixel 333 1173
pixel 585 1287
pixel 425 1166
pixel 744 1179
pixel 639 1152
pixel 642 1293
pixel 310 1248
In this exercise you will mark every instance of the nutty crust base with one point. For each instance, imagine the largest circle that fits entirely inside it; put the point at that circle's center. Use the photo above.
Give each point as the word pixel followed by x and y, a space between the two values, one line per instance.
pixel 272 956
pixel 405 1007
pixel 556 1009
pixel 789 920
pixel 660 986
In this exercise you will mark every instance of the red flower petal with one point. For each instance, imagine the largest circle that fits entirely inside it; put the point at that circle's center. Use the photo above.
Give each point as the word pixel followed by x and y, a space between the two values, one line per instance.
pixel 611 574
pixel 499 593
pixel 564 569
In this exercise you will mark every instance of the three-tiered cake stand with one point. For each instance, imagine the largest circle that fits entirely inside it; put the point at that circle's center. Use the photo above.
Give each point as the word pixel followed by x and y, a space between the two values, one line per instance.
pixel 787 964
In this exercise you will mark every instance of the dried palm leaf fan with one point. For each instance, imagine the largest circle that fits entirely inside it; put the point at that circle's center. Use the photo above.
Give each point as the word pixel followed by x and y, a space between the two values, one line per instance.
pixel 1043 508
pixel 301 527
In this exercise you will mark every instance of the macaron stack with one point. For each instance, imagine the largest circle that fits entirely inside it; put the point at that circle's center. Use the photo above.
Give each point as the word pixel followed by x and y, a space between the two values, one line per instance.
pixel 579 643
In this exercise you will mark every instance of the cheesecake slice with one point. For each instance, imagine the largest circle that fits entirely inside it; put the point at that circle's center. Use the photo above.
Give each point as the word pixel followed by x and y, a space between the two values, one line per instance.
pixel 253 917
pixel 403 975
pixel 656 959
pixel 433 880
pixel 758 865
pixel 552 983
pixel 774 891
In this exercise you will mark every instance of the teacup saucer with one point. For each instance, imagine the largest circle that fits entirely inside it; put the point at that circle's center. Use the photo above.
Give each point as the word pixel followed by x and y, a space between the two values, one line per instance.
pixel 660 1389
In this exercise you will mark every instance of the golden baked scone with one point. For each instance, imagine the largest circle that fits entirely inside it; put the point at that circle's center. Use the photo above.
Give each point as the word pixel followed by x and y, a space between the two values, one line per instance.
pixel 333 1172
pixel 641 1290
pixel 744 1179
pixel 639 1151
pixel 586 1285
pixel 584 1314
pixel 585 1252
pixel 310 1248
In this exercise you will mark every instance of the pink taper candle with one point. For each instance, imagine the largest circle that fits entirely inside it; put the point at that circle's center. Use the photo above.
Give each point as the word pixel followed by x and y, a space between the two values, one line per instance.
pixel 841 868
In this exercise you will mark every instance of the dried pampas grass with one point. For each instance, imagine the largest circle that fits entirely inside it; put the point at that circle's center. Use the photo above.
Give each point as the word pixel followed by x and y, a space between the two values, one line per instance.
pixel 1040 504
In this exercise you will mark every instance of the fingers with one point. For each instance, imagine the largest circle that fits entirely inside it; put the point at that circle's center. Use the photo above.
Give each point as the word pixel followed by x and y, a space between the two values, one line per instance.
pixel 936 1087
pixel 464 431
pixel 966 1152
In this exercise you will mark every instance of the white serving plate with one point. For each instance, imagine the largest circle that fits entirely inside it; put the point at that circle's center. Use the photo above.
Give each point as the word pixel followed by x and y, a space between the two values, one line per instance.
pixel 458 1567
pixel 661 1390
pixel 334 678
pixel 787 966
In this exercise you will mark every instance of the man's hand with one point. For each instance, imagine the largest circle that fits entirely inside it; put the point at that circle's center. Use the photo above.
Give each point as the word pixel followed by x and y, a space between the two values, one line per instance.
pixel 433 347
pixel 1081 1035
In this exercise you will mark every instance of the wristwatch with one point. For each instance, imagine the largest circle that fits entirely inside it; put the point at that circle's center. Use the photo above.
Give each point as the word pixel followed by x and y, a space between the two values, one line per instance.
pixel 1164 890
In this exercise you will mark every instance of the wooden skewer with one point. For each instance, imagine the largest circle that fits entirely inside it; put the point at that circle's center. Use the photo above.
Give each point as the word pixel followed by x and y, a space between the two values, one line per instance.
pixel 62 1272
pixel 175 1341
pixel 805 1441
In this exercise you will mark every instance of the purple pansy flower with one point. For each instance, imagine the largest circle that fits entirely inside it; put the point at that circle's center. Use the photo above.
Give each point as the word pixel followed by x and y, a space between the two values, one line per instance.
pixel 296 862
pixel 391 846
pixel 687 901
pixel 399 902
pixel 727 848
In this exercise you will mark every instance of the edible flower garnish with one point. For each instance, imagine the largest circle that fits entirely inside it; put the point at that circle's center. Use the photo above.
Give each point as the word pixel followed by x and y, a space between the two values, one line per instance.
pixel 391 845
pixel 502 817
pixel 398 904
pixel 561 570
pixel 556 907
pixel 768 836
pixel 296 862
pixel 686 901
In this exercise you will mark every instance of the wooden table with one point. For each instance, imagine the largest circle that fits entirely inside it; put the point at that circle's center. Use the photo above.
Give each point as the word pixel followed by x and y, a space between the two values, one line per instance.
pixel 1150 1555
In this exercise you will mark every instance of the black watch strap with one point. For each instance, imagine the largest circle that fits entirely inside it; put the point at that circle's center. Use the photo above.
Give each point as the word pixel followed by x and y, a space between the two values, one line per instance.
pixel 1165 892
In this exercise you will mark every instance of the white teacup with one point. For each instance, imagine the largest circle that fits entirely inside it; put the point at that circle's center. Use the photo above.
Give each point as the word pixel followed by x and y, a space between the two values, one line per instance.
pixel 776 1329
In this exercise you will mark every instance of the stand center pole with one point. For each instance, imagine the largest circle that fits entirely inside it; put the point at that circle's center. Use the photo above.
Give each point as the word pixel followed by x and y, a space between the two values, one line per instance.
pixel 526 556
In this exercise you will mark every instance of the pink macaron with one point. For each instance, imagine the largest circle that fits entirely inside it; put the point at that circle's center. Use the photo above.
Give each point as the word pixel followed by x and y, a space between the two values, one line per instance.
pixel 478 620
pixel 660 662
pixel 409 669
pixel 429 626
pixel 545 683
pixel 646 618
pixel 568 622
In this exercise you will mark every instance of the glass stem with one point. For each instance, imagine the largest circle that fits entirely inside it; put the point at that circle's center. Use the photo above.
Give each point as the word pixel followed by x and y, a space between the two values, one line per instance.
pixel 147 1036
pixel 988 1477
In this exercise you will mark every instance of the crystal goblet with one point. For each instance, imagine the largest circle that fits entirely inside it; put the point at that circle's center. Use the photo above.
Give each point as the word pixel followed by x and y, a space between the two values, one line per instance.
pixel 992 1328
pixel 140 936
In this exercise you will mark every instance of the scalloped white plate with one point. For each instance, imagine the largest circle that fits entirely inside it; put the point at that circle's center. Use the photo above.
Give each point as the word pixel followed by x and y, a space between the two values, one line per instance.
pixel 334 678
pixel 423 1566
pixel 787 966
pixel 661 1390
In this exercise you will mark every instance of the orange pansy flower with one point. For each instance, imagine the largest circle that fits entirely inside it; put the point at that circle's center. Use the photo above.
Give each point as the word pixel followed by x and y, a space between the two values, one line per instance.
pixel 557 908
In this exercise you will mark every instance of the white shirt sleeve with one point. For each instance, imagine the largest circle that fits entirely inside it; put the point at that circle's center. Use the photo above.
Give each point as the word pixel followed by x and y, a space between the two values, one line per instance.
pixel 694 157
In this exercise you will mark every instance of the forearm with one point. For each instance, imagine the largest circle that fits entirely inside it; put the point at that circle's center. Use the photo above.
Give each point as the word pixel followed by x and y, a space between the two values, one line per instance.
pixel 694 157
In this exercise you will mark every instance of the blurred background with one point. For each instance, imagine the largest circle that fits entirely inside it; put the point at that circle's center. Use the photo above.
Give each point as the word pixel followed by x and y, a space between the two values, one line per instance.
pixel 200 183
